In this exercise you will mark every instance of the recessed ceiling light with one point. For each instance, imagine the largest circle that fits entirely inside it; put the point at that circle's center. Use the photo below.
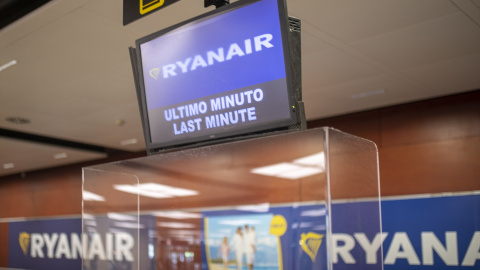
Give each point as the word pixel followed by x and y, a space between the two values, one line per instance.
pixel 319 212
pixel 7 65
pixel 122 217
pixel 175 225
pixel 119 122
pixel 276 169
pixel 176 214
pixel 128 225
pixel 129 141
pixel 88 216
pixel 90 196
pixel 301 167
pixel 239 222
pixel 92 223
pixel 263 207
pixel 7 166
pixel 312 160
pixel 185 232
pixel 60 156
pixel 300 173
pixel 367 94
pixel 17 120
pixel 154 190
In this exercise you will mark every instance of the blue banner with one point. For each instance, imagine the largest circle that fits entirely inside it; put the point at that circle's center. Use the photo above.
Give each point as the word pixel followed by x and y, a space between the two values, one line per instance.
pixel 418 233
pixel 107 243
pixel 433 233
pixel 45 244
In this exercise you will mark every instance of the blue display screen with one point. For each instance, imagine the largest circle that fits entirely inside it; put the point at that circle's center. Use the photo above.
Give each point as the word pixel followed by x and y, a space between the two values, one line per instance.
pixel 218 75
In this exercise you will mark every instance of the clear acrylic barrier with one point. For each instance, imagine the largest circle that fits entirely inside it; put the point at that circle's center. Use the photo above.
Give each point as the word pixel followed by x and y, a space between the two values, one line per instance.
pixel 296 200
pixel 110 221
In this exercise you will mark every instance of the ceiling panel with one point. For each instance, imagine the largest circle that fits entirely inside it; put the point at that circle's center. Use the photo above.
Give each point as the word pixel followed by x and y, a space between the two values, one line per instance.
pixel 362 94
pixel 310 43
pixel 334 66
pixel 19 156
pixel 73 79
pixel 37 19
pixel 350 21
pixel 461 73
pixel 448 37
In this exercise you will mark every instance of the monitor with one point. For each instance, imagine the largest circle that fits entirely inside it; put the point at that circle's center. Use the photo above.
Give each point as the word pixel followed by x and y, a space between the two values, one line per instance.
pixel 222 74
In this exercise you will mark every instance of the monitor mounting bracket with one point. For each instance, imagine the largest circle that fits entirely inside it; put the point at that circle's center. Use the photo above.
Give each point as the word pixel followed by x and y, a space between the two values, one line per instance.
pixel 217 3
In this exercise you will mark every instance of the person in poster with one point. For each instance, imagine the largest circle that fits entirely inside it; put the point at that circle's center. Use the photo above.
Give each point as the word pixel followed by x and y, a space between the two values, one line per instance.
pixel 250 239
pixel 237 245
pixel 224 250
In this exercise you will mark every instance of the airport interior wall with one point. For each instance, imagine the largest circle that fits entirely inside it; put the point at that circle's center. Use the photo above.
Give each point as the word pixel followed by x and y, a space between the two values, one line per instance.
pixel 429 146
pixel 425 147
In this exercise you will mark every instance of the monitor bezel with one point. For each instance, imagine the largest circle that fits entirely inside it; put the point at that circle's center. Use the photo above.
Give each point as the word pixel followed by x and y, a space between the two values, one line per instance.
pixel 222 134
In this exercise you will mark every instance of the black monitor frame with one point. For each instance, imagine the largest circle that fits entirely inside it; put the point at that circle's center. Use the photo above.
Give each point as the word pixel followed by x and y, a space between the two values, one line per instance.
pixel 291 40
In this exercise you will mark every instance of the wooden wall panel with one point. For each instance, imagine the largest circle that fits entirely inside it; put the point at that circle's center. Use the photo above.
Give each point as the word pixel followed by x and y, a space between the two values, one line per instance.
pixel 61 194
pixel 363 124
pixel 45 193
pixel 443 166
pixel 3 244
pixel 424 147
pixel 15 198
pixel 49 192
pixel 439 119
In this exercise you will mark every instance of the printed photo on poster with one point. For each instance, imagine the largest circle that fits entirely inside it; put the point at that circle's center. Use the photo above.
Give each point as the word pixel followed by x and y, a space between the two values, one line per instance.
pixel 242 242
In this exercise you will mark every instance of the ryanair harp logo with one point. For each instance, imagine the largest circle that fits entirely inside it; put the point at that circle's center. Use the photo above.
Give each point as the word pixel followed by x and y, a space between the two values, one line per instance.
pixel 310 243
pixel 24 240
pixel 154 72
pixel 147 6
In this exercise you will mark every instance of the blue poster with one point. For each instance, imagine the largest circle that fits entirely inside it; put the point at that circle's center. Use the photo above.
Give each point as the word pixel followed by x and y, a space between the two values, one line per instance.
pixel 42 244
pixel 276 238
pixel 429 233
pixel 107 243
pixel 433 233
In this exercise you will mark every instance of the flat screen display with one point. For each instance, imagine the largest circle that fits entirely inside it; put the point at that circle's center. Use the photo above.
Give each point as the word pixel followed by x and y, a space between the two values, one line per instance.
pixel 222 74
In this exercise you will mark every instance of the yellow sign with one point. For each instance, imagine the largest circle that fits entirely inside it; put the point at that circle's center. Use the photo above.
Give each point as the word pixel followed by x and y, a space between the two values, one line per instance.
pixel 278 225
pixel 136 9
pixel 149 6
pixel 24 240
pixel 310 243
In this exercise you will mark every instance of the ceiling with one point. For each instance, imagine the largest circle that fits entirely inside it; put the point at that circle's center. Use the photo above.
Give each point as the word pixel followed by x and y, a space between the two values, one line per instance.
pixel 73 97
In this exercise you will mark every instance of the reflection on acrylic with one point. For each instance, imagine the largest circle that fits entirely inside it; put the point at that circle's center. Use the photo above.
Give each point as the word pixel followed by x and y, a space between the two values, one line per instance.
pixel 296 169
